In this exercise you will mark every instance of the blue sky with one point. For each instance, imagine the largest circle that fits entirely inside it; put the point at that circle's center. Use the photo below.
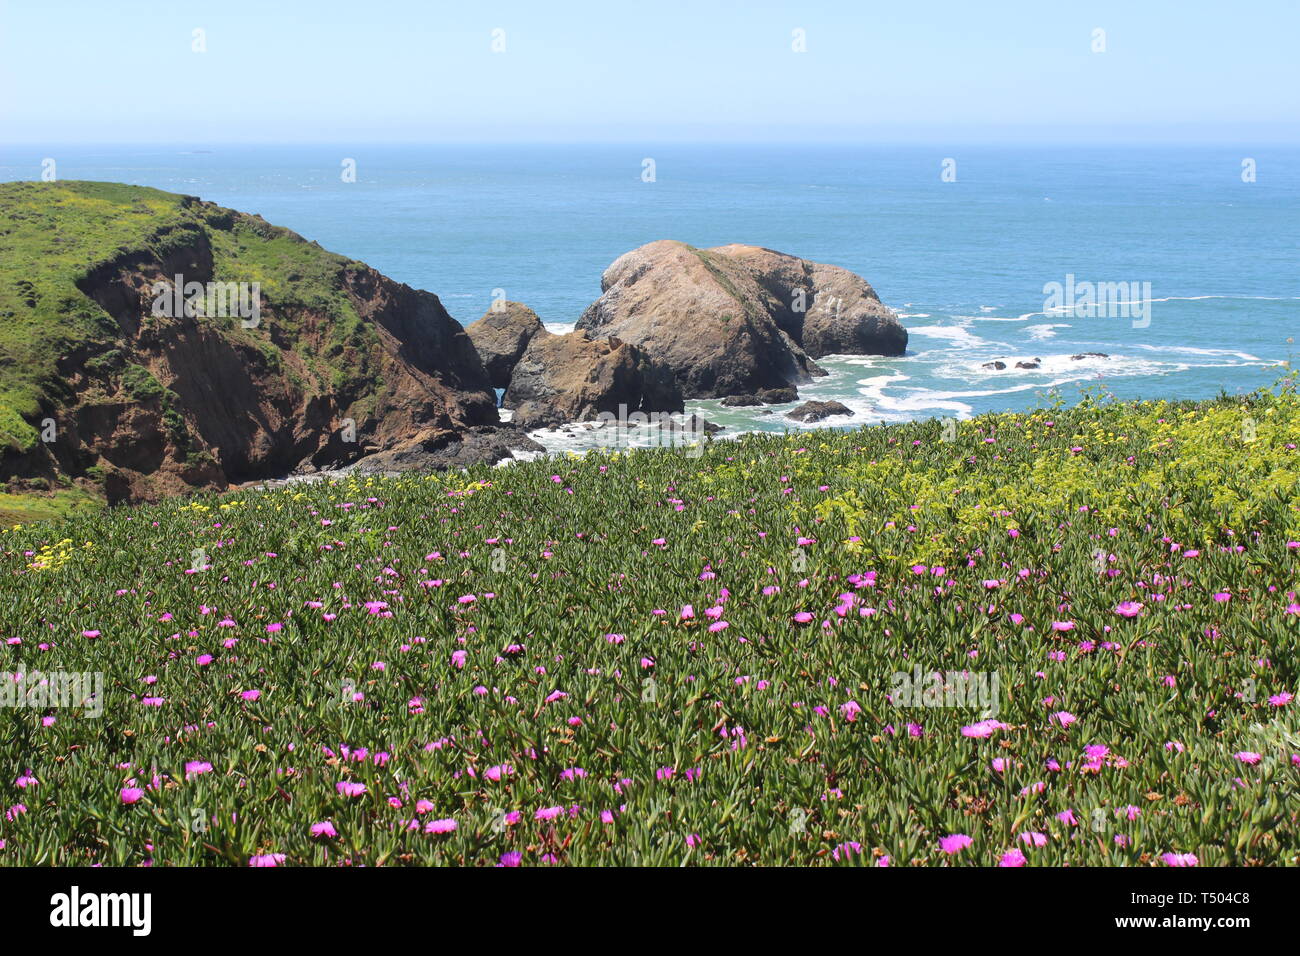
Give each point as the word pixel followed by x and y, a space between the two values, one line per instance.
pixel 663 70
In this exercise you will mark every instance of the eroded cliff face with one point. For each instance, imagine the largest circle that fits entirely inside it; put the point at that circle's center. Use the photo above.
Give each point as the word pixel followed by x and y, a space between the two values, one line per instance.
pixel 148 400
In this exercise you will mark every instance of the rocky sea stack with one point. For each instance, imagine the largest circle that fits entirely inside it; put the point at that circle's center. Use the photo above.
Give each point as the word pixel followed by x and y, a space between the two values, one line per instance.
pixel 736 319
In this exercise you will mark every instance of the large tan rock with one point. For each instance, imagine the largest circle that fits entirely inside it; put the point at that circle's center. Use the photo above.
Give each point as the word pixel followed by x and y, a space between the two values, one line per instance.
pixel 826 309
pixel 736 319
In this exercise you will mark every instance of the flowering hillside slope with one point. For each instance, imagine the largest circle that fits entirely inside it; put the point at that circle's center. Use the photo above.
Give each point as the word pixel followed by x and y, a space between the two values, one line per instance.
pixel 1064 637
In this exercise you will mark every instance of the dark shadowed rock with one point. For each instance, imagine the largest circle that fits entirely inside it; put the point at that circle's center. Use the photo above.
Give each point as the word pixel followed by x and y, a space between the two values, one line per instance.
pixel 1036 363
pixel 778 396
pixel 1087 355
pixel 816 411
pixel 741 401
pixel 501 336
pixel 567 378
pixel 440 449
pixel 997 366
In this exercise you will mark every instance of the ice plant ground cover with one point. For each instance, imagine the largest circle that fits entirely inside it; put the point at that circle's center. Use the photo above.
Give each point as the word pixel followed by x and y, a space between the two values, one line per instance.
pixel 650 658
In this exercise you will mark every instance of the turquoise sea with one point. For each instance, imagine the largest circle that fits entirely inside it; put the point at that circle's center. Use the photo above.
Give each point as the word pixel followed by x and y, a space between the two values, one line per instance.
pixel 964 262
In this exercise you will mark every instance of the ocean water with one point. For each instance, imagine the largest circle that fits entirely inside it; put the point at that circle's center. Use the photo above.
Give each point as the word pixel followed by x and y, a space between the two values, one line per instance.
pixel 965 263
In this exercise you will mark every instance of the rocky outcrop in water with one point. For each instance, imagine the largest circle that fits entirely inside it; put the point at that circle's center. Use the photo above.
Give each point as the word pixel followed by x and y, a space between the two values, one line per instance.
pixel 737 319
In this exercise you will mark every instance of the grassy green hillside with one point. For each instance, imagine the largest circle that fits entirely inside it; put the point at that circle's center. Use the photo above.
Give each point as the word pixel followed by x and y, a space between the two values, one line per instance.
pixel 54 235
pixel 80 345
pixel 651 658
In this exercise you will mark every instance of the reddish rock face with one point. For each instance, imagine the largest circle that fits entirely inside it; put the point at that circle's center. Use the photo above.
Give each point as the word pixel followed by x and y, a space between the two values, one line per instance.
pixel 186 402
pixel 736 319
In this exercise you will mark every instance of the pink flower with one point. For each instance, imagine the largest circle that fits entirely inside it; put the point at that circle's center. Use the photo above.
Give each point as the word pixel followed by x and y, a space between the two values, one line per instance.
pixel 1063 625
pixel 1128 608
pixel 266 859
pixel 323 829
pixel 1030 838
pixel 90 634
pixel 954 843
pixel 846 850
pixel 984 728
pixel 130 794
pixel 1012 857
pixel 1247 757
pixel 440 826
pixel 1064 718
pixel 350 788
pixel 1180 859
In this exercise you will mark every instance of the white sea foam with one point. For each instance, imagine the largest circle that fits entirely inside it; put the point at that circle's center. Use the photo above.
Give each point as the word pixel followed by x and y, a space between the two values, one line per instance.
pixel 1040 333
pixel 958 335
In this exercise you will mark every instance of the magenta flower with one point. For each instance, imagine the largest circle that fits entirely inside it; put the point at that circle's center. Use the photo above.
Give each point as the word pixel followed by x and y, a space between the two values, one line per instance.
pixel 350 788
pixel 131 794
pixel 954 843
pixel 984 728
pixel 266 859
pixel 440 826
pixel 1129 608
pixel 846 850
pixel 1180 859
pixel 1012 857
pixel 323 829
